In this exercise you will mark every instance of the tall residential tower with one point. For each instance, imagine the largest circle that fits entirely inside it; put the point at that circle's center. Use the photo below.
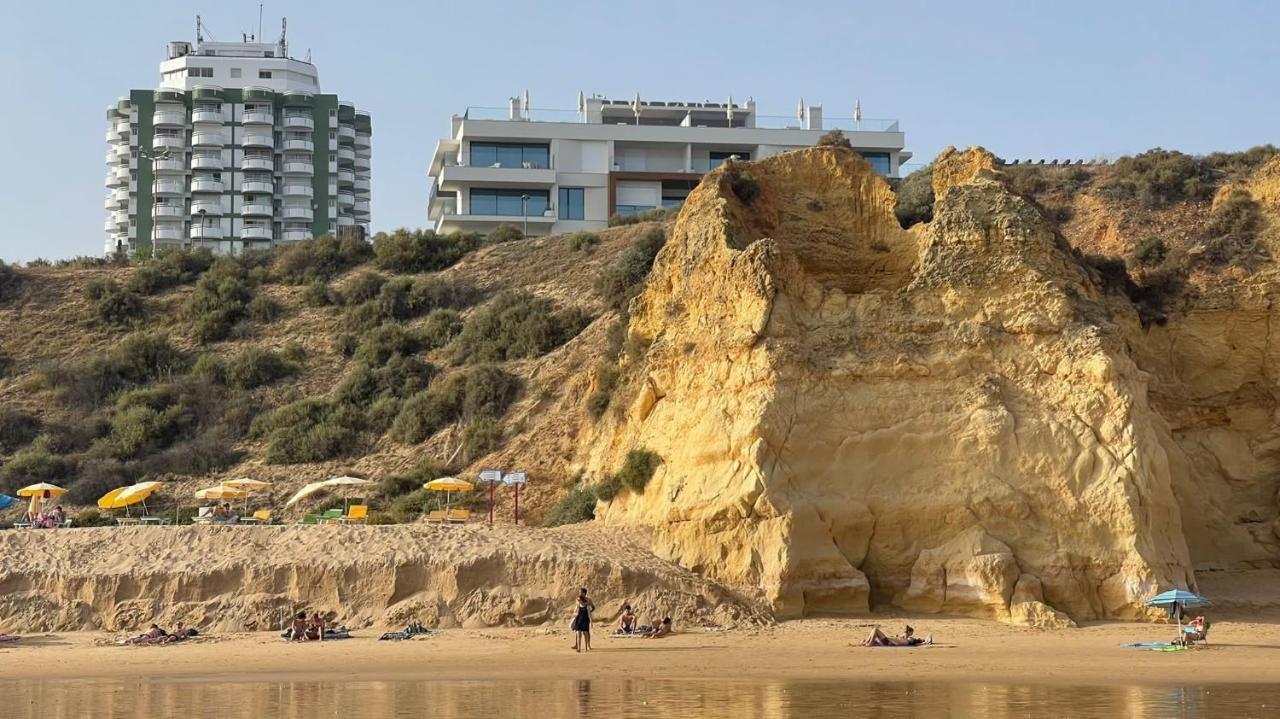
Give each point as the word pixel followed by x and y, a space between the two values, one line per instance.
pixel 237 149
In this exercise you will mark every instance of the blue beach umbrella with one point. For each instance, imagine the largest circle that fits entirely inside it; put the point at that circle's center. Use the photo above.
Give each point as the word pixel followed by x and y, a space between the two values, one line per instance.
pixel 1178 596
pixel 6 501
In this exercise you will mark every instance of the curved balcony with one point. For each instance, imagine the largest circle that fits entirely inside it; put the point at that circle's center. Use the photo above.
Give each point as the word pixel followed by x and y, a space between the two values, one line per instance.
pixel 257 187
pixel 167 232
pixel 256 209
pixel 361 207
pixel 168 142
pixel 298 98
pixel 121 217
pixel 364 139
pixel 169 188
pixel 206 161
pixel 117 176
pixel 111 203
pixel 213 116
pixel 212 209
pixel 169 118
pixel 346 133
pixel 346 112
pixel 346 155
pixel 207 139
pixel 362 186
pixel 206 185
pixel 297 145
pixel 112 137
pixel 120 195
pixel 258 93
pixel 255 232
pixel 257 117
pixel 170 166
pixel 121 152
pixel 205 231
pixel 296 213
pixel 298 168
pixel 257 162
pixel 122 127
pixel 209 93
pixel 175 212
pixel 346 221
pixel 346 198
pixel 362 163
pixel 257 140
pixel 292 235
pixel 296 189
pixel 175 96
pixel 109 224
pixel 299 122
pixel 346 177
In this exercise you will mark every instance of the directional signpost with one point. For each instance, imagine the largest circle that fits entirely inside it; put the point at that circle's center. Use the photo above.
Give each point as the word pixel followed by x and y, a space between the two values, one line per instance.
pixel 492 476
pixel 518 479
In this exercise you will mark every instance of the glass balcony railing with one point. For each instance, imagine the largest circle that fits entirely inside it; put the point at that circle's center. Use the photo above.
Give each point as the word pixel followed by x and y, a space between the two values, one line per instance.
pixel 502 113
pixel 848 124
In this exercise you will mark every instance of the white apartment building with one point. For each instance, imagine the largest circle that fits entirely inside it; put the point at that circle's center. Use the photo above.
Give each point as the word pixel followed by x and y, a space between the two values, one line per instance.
pixel 236 149
pixel 555 171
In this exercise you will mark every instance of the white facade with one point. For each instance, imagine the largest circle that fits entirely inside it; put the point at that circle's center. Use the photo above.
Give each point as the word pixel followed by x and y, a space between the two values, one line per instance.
pixel 564 171
pixel 237 149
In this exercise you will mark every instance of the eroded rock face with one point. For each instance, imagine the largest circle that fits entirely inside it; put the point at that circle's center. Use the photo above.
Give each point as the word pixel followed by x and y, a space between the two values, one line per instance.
pixel 848 412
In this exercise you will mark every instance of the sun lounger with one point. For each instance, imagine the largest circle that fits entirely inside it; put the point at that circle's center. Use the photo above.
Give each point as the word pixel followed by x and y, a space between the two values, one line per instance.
pixel 330 516
pixel 458 516
pixel 262 516
pixel 357 513
pixel 23 525
pixel 309 519
pixel 438 515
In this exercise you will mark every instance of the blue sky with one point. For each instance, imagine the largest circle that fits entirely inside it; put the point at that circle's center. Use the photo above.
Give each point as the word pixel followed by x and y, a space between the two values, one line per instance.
pixel 1027 79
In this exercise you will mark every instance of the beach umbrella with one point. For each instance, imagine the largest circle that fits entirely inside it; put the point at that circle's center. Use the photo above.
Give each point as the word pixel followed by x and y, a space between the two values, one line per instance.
pixel 136 493
pixel 449 485
pixel 220 492
pixel 635 107
pixel 38 493
pixel 108 500
pixel 582 102
pixel 345 484
pixel 800 111
pixel 729 110
pixel 306 491
pixel 1177 600
pixel 247 484
pixel 857 113
pixel 6 501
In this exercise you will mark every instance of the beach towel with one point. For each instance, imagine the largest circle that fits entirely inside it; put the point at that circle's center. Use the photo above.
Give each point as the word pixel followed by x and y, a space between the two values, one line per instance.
pixel 409 632
pixel 619 634
pixel 9 637
pixel 1147 645
pixel 335 633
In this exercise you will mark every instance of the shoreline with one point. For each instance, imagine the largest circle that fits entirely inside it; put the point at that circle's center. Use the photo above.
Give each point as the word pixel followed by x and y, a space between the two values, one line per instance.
pixel 968 651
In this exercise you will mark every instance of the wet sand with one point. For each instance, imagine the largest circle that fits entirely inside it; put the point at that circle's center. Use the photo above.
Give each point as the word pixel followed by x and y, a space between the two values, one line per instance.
pixel 820 649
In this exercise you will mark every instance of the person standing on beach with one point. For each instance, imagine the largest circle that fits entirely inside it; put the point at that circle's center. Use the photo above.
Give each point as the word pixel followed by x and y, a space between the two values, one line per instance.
pixel 582 622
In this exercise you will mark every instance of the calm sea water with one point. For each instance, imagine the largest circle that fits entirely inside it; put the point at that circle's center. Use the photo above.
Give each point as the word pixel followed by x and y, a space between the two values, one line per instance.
pixel 612 698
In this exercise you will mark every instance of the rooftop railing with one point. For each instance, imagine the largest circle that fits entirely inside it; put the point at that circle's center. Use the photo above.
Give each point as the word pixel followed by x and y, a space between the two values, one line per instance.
pixel 847 124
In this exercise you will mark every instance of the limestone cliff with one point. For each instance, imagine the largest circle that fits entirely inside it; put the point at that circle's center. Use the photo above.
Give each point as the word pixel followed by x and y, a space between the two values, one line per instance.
pixel 946 420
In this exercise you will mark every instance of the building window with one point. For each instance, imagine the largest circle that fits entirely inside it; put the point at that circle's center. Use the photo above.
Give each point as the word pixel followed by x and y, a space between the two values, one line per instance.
pixel 510 154
pixel 509 203
pixel 199 72
pixel 718 158
pixel 235 73
pixel 264 74
pixel 879 161
pixel 571 201
pixel 631 209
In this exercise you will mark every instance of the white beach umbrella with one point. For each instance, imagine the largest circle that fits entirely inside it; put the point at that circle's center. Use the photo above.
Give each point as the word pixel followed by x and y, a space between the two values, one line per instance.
pixel 729 110
pixel 582 102
pixel 800 110
pixel 635 107
pixel 346 483
pixel 305 492
pixel 857 110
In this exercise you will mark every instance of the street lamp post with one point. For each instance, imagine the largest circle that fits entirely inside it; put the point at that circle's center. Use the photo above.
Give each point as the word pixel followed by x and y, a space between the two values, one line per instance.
pixel 201 213
pixel 524 214
pixel 151 156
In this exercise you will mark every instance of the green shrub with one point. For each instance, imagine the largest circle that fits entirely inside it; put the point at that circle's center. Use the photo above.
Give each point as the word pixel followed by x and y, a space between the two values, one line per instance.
pixel 439 329
pixel 293 351
pixel 397 485
pixel 623 280
pixel 606 381
pixel 137 359
pixel 93 518
pixel 363 317
pixel 1238 165
pixel 320 259
pixel 362 288
pixel 514 326
pixel 1233 227
pixel 345 344
pixel 318 294
pixel 1150 252
pixel 380 345
pixel 915 198
pixel 577 505
pixel 583 241
pixel 659 214
pixel 637 469
pixel 481 436
pixel 35 463
pixel 141 430
pixel 421 250
pixel 171 269
pixel 211 367
pixel 484 391
pixel 834 138
pixel 745 186
pixel 506 232
pixel 382 413
pixel 309 430
pixel 17 428
pixel 264 310
pixel 435 293
pixel 10 281
pixel 6 365
pixel 256 367
pixel 220 299
pixel 409 506
pixel 112 303
pixel 1158 178
pixel 608 488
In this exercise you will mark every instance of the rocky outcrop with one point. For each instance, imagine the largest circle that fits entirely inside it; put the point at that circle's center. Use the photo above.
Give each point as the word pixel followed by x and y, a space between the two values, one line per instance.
pixel 946 420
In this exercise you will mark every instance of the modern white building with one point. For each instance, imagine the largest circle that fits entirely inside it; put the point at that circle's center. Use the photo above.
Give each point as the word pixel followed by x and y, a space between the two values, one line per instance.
pixel 555 171
pixel 237 149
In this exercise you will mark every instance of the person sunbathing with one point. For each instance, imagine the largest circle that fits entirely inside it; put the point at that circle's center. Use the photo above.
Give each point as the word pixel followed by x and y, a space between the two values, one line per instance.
pixel 298 631
pixel 663 629
pixel 315 628
pixel 154 635
pixel 626 622
pixel 1195 631
pixel 908 639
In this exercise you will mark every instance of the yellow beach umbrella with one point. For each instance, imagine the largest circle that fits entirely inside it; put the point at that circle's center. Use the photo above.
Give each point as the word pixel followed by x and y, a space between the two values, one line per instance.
pixel 221 492
pixel 449 485
pixel 247 483
pixel 43 489
pixel 108 500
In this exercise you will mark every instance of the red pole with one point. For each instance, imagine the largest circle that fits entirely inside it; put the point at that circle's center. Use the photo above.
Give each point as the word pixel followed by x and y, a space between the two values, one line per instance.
pixel 517 504
pixel 491 504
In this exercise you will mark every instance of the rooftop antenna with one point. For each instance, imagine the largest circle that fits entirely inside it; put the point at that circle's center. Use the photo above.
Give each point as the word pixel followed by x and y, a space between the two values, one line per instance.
pixel 255 37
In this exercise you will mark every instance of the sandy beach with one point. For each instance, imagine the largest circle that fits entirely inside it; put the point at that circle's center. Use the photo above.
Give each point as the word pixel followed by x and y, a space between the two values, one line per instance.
pixel 813 649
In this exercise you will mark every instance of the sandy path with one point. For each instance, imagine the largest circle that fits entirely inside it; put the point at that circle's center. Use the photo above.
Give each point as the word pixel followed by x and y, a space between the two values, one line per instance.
pixel 969 650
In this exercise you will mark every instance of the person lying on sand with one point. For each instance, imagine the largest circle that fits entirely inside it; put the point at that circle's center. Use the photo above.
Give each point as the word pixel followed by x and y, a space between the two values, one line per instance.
pixel 154 635
pixel 908 639
pixel 663 630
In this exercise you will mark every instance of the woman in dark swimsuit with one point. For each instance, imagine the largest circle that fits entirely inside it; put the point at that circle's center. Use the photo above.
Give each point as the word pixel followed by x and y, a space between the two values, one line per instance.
pixel 582 623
